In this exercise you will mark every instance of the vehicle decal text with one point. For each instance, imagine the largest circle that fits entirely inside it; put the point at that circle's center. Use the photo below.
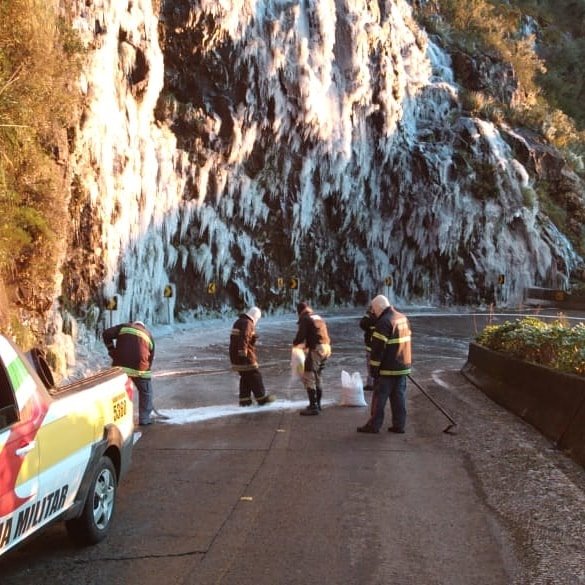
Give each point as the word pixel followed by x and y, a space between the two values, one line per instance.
pixel 119 405
pixel 17 526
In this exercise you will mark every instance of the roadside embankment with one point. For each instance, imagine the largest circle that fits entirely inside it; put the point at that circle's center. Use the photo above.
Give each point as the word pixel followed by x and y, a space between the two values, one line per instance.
pixel 551 401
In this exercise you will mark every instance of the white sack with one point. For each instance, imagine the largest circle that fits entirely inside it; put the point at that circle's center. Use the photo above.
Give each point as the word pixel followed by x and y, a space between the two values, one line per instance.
pixel 297 362
pixel 352 390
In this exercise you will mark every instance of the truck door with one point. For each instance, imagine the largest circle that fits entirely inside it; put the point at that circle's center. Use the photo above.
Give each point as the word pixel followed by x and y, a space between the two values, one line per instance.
pixel 19 450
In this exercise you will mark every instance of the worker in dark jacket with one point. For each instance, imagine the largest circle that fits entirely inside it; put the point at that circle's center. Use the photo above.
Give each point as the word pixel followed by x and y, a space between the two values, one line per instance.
pixel 367 325
pixel 131 346
pixel 390 360
pixel 244 361
pixel 313 336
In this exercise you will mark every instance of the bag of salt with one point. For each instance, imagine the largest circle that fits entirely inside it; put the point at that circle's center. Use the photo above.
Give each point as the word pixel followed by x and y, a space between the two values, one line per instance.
pixel 297 362
pixel 352 390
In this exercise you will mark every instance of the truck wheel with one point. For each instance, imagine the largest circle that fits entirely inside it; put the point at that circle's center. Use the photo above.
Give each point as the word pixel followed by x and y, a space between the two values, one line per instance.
pixel 95 520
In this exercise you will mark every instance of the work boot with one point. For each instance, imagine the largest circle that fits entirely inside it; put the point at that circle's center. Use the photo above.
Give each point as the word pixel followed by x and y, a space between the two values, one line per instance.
pixel 265 399
pixel 319 394
pixel 312 409
pixel 367 428
pixel 395 430
pixel 245 402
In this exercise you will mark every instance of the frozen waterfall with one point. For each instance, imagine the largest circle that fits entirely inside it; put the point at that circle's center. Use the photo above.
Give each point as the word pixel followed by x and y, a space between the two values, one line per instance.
pixel 229 145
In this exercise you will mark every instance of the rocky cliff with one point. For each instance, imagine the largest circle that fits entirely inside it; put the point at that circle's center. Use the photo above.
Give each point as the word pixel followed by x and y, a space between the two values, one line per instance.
pixel 229 147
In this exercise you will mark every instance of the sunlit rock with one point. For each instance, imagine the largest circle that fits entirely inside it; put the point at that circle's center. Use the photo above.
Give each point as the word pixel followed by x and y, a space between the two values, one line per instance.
pixel 229 146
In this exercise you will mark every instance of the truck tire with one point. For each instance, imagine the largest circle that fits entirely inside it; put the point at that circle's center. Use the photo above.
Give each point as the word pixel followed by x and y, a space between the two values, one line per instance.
pixel 94 523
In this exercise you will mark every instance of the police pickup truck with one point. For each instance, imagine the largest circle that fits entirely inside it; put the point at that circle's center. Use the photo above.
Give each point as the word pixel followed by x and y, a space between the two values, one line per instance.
pixel 63 450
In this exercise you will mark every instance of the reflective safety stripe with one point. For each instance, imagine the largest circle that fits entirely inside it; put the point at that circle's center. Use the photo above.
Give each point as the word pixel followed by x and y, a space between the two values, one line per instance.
pixel 138 333
pixel 395 372
pixel 391 340
pixel 375 363
pixel 398 340
pixel 138 373
pixel 378 335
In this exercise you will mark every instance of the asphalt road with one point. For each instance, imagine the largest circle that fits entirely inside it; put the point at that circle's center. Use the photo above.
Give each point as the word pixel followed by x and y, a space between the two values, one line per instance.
pixel 263 496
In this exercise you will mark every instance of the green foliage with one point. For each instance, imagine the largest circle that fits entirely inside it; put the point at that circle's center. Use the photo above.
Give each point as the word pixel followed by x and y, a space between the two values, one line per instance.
pixel 529 197
pixel 553 344
pixel 563 49
pixel 38 64
pixel 551 83
pixel 473 101
pixel 556 213
pixel 479 25
pixel 21 334
pixel 485 184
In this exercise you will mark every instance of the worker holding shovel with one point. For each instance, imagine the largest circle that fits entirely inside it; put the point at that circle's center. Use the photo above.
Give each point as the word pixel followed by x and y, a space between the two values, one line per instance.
pixel 390 361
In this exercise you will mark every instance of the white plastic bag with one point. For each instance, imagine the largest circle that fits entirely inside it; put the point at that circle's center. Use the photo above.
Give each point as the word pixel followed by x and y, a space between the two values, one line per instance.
pixel 352 390
pixel 297 362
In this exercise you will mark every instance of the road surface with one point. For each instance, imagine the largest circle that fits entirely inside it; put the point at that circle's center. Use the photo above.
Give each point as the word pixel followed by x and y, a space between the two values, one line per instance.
pixel 263 496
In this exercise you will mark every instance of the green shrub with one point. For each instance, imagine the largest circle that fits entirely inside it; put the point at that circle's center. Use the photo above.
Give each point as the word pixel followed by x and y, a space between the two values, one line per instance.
pixel 553 344
pixel 39 63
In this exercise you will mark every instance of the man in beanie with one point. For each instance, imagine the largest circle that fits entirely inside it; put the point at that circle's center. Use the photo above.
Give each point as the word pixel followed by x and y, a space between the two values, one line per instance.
pixel 244 361
pixel 390 360
pixel 312 334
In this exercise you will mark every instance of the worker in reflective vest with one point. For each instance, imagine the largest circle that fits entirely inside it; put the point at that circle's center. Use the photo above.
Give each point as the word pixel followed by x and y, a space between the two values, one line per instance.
pixel 244 359
pixel 131 347
pixel 390 362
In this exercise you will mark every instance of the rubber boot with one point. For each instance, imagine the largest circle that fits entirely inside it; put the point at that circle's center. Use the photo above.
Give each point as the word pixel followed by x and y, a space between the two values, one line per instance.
pixel 265 399
pixel 312 409
pixel 319 395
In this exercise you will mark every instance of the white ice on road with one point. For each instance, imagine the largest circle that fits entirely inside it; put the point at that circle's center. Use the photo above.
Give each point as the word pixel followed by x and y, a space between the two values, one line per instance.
pixel 182 416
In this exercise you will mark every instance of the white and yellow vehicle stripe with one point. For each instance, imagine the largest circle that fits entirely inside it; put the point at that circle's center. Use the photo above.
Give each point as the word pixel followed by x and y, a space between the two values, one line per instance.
pixel 46 464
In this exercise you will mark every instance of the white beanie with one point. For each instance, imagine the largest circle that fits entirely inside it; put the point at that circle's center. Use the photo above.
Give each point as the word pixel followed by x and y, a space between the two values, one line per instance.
pixel 379 303
pixel 254 313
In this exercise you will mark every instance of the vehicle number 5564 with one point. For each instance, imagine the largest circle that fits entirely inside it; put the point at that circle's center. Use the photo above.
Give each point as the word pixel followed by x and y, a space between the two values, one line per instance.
pixel 119 409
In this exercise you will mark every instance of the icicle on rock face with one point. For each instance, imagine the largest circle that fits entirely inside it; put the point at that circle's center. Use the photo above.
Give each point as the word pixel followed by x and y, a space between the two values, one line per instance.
pixel 317 139
pixel 128 173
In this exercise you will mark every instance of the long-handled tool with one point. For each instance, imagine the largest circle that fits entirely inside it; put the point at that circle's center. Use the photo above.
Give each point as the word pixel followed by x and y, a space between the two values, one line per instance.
pixel 449 417
pixel 159 415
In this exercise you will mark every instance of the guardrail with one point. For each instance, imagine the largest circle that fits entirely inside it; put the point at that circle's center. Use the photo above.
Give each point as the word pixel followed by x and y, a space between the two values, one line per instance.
pixel 552 402
pixel 553 297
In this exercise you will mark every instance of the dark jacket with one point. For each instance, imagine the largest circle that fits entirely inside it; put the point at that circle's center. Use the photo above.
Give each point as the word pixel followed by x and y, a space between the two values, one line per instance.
pixel 131 347
pixel 368 324
pixel 391 350
pixel 312 330
pixel 242 345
